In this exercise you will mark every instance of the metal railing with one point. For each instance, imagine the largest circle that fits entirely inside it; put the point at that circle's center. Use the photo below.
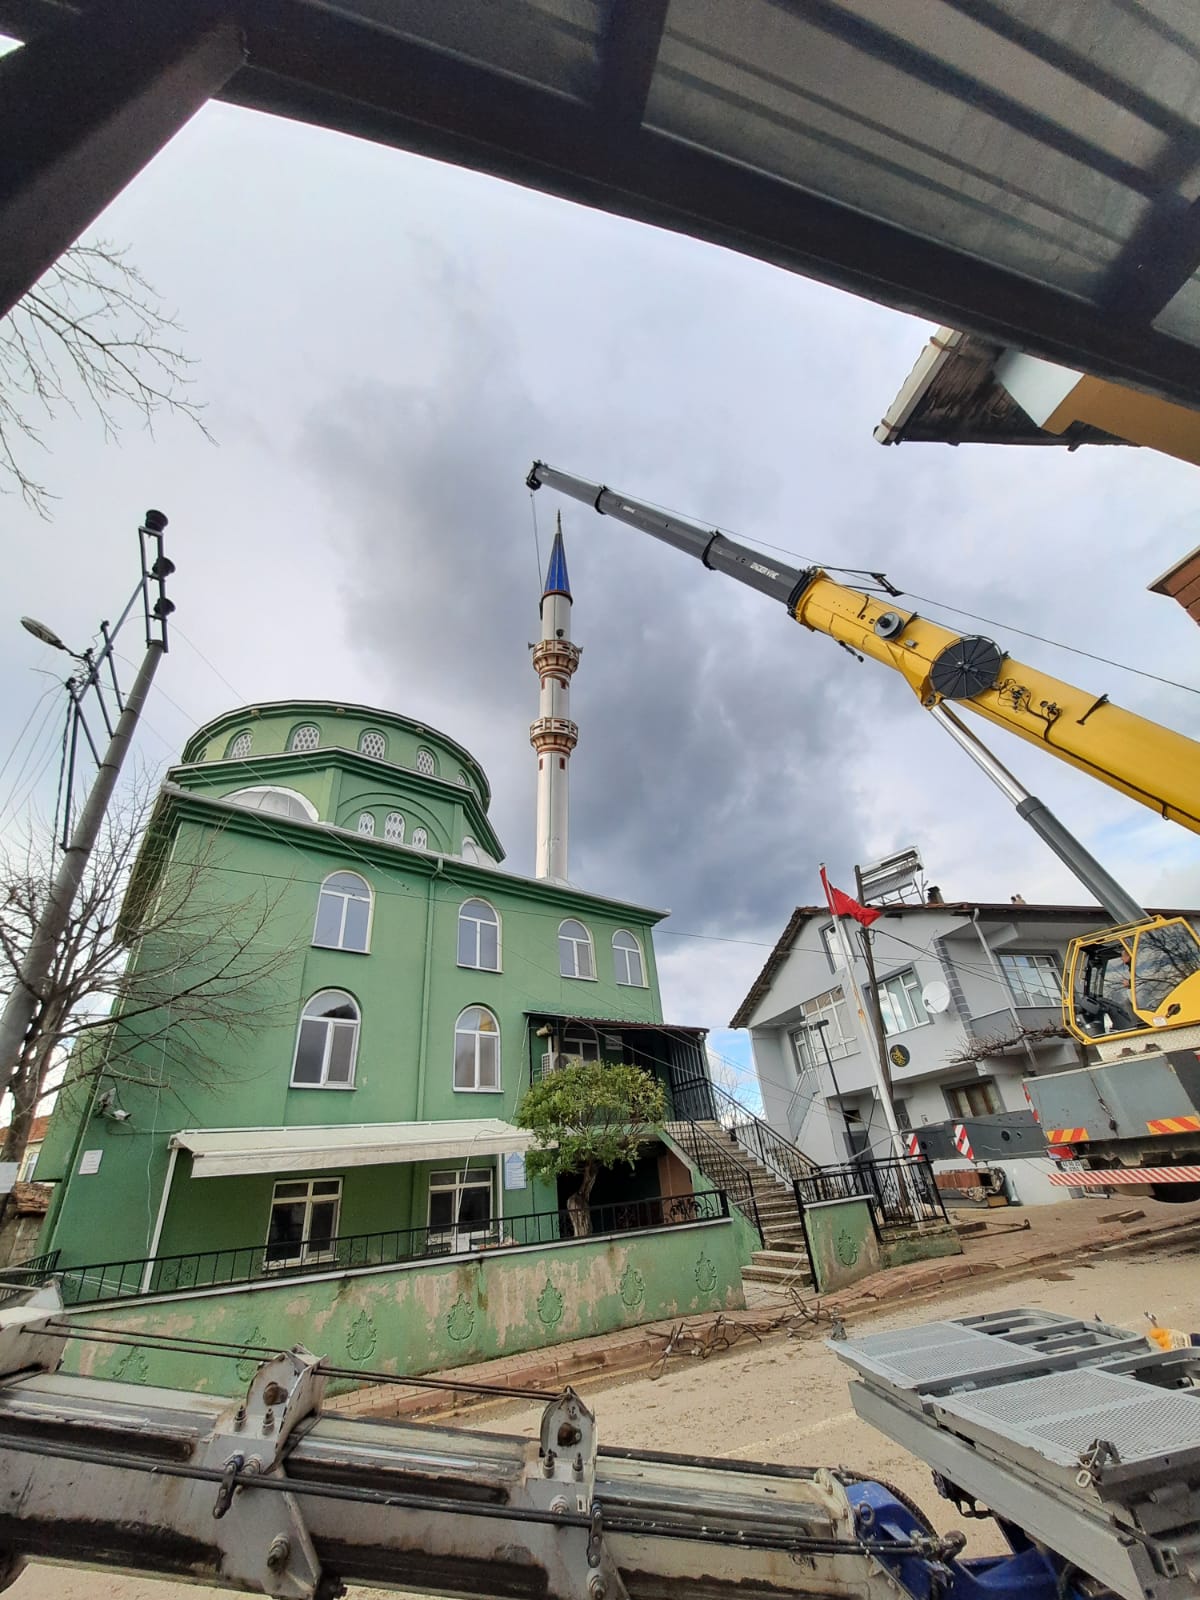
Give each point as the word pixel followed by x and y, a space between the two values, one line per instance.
pixel 901 1189
pixel 759 1139
pixel 205 1269
pixel 24 1275
pixel 732 1179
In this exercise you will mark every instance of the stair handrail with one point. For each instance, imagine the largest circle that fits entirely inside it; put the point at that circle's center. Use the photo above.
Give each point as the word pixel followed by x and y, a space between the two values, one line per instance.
pixel 727 1173
pixel 779 1155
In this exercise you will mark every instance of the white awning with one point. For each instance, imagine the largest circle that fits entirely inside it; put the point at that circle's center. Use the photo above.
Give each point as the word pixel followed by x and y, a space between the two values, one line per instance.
pixel 228 1152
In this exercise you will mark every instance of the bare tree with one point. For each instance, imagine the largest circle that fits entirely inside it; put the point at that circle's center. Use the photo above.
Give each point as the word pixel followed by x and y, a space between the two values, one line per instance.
pixel 995 1044
pixel 159 970
pixel 91 334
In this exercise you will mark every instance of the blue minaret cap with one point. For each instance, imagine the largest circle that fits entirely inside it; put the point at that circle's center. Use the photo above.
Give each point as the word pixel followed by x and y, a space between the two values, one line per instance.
pixel 557 581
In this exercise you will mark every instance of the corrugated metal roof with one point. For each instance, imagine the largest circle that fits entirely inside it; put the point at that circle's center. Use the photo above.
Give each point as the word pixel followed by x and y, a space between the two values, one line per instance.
pixel 630 1023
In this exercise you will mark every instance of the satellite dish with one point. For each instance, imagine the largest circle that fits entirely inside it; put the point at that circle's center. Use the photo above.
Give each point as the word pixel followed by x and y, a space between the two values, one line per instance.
pixel 936 997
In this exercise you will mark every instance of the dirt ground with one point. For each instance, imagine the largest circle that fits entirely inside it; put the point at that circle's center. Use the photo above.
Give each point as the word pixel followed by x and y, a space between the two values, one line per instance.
pixel 782 1400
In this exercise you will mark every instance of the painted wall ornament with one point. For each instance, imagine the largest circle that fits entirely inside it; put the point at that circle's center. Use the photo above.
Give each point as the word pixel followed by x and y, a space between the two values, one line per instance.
pixel 362 1338
pixel 633 1288
pixel 460 1320
pixel 549 1306
pixel 706 1273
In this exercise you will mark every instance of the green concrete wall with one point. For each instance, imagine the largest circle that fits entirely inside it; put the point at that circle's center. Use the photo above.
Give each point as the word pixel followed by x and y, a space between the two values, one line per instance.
pixel 927 1245
pixel 419 1319
pixel 842 1243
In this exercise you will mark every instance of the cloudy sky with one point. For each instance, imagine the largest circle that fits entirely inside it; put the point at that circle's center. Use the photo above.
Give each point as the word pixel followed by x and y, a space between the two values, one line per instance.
pixel 383 345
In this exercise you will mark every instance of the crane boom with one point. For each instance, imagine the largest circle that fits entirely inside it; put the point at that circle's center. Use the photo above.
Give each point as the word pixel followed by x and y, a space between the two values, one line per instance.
pixel 1149 763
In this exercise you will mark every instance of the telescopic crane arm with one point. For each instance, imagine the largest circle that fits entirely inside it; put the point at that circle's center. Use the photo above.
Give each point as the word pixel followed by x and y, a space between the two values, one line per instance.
pixel 1151 764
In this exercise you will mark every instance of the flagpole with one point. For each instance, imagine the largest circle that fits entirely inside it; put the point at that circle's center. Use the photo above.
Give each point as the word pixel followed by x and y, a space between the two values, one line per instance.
pixel 867 1032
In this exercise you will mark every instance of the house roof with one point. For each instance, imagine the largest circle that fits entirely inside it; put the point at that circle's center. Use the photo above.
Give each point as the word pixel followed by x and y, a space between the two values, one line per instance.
pixel 37 1131
pixel 631 1023
pixel 986 908
pixel 952 396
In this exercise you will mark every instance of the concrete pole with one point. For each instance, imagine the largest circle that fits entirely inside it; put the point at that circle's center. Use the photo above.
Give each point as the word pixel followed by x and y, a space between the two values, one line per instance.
pixel 27 990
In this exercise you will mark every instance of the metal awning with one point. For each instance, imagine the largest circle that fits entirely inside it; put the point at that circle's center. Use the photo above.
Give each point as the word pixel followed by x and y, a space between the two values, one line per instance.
pixel 617 1024
pixel 1030 173
pixel 236 1152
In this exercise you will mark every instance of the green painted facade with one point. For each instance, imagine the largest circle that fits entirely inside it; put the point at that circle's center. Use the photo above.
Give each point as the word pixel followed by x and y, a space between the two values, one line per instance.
pixel 419 1318
pixel 409 987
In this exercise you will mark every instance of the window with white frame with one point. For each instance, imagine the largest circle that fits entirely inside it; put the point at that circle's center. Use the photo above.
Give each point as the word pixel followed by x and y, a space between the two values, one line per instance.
pixel 239 746
pixel 304 1221
pixel 420 839
pixel 478 936
pixel 343 913
pixel 426 763
pixel 477 1050
pixel 470 850
pixel 373 744
pixel 393 828
pixel 366 824
pixel 840 1036
pixel 831 947
pixel 1033 979
pixel 627 960
pixel 460 1206
pixel 275 802
pixel 575 950
pixel 28 1162
pixel 900 1003
pixel 581 1044
pixel 306 737
pixel 327 1043
pixel 980 1099
pixel 463 781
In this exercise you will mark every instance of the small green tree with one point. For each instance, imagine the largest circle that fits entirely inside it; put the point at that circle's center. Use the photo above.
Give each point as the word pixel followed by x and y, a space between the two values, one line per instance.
pixel 587 1116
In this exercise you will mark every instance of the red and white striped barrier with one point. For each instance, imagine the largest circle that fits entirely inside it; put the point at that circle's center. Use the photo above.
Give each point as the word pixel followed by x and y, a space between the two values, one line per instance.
pixel 913 1145
pixel 962 1143
pixel 1112 1177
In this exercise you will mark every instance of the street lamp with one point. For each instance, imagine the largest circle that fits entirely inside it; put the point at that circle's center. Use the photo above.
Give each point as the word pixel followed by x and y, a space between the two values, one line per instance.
pixel 39 630
pixel 818 1026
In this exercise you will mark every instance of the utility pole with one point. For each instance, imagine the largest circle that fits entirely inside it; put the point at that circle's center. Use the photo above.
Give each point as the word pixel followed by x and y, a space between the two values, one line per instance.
pixel 21 1007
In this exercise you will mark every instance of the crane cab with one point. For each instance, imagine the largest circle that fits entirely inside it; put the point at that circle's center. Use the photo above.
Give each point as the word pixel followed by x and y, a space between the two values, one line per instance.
pixel 1133 980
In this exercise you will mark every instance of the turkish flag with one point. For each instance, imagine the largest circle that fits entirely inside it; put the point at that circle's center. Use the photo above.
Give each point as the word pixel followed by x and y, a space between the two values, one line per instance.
pixel 843 906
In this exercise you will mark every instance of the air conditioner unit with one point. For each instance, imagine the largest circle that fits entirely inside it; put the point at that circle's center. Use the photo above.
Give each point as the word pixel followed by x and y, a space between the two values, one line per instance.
pixel 549 1062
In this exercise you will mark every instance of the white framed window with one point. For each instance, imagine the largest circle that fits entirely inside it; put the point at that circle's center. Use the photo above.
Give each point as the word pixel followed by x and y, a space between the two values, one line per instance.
pixel 831 947
pixel 304 1221
pixel 470 850
pixel 426 763
pixel 463 781
pixel 840 1035
pixel 239 746
pixel 327 1042
pixel 420 839
pixel 581 1044
pixel 366 824
pixel 460 1207
pixel 343 913
pixel 900 1003
pixel 1033 979
pixel 28 1162
pixel 477 1051
pixel 980 1099
pixel 575 950
pixel 627 960
pixel 372 743
pixel 276 802
pixel 478 936
pixel 305 737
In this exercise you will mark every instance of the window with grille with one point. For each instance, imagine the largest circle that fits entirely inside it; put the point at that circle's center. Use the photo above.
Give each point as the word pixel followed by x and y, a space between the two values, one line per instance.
pixel 462 781
pixel 373 744
pixel 627 960
pixel 327 1043
pixel 477 1050
pixel 427 763
pixel 420 839
pixel 343 913
pixel 393 828
pixel 366 823
pixel 239 746
pixel 307 737
pixel 278 802
pixel 478 936
pixel 1033 979
pixel 575 950
pixel 900 1003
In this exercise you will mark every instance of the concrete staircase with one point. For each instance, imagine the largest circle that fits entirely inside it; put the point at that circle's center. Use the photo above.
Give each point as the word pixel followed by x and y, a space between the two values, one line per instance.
pixel 783 1260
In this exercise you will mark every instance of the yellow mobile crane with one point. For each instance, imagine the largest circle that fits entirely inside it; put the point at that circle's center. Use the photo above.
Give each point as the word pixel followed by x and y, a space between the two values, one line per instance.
pixel 1131 993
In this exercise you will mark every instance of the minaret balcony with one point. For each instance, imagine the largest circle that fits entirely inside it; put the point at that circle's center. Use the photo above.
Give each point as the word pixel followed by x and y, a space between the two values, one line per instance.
pixel 554 733
pixel 552 657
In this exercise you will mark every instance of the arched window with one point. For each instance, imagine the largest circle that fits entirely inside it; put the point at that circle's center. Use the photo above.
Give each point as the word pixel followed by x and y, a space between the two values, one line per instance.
pixel 393 828
pixel 478 936
pixel 275 801
pixel 366 824
pixel 477 1050
pixel 420 839
pixel 575 950
pixel 373 744
pixel 239 746
pixel 306 737
pixel 327 1042
pixel 627 960
pixel 463 781
pixel 426 763
pixel 343 913
pixel 470 850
